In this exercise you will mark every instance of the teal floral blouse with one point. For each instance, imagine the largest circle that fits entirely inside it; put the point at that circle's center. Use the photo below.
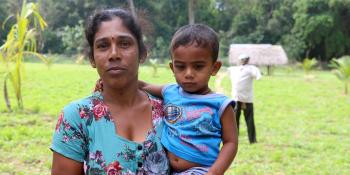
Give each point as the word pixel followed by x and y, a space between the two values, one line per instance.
pixel 85 132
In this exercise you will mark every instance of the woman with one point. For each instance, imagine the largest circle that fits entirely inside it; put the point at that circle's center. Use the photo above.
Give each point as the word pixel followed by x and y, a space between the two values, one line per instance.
pixel 115 130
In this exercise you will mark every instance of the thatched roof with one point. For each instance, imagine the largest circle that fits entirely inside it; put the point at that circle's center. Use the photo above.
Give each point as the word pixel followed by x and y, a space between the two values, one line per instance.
pixel 260 54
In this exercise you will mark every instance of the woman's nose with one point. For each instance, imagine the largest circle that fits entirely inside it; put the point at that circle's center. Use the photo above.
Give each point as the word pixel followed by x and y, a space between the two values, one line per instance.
pixel 115 53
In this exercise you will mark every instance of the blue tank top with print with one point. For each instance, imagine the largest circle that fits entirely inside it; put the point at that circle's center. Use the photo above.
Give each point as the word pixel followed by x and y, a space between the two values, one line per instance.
pixel 192 124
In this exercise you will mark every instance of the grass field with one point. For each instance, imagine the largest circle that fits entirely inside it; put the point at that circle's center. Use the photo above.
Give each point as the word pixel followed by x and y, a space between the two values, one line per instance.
pixel 303 124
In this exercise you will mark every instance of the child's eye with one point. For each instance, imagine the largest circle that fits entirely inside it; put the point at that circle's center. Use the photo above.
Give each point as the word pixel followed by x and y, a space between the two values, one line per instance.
pixel 180 67
pixel 198 67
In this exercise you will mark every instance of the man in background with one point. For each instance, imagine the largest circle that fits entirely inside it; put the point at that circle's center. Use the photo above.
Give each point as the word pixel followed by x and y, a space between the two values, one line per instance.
pixel 242 77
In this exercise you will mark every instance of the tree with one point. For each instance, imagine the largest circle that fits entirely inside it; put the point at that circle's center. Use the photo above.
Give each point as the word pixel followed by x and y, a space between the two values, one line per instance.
pixel 323 26
pixel 132 8
pixel 259 22
pixel 72 38
pixel 308 64
pixel 62 14
pixel 191 8
pixel 163 17
pixel 342 71
pixel 20 41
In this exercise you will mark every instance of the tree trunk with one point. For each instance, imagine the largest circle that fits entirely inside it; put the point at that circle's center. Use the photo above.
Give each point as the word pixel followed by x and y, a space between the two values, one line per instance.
pixel 18 89
pixel 191 11
pixel 132 8
pixel 346 88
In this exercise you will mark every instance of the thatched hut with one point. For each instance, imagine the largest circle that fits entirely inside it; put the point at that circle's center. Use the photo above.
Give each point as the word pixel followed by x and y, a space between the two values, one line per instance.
pixel 260 54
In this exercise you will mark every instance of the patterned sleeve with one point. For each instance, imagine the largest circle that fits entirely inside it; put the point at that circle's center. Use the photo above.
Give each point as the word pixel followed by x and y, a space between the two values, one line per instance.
pixel 69 139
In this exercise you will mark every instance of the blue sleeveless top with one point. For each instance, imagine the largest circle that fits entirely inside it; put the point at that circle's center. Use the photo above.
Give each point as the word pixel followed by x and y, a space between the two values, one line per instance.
pixel 192 124
pixel 85 132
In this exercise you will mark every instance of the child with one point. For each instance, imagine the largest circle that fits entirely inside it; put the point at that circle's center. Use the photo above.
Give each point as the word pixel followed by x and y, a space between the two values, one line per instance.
pixel 196 119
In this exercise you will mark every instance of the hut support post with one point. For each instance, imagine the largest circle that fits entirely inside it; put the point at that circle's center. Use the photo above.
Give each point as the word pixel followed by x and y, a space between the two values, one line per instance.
pixel 269 70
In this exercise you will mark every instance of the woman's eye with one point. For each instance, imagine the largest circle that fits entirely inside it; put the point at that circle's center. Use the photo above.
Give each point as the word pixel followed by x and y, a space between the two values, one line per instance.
pixel 124 44
pixel 102 45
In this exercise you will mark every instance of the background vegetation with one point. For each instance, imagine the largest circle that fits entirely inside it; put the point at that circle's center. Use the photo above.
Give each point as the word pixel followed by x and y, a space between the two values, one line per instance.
pixel 305 28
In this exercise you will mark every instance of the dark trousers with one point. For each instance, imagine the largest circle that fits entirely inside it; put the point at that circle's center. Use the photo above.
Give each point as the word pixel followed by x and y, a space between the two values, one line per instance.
pixel 248 110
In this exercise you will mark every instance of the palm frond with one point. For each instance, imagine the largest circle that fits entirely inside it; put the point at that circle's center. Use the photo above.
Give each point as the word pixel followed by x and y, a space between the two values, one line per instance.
pixel 21 40
pixel 5 21
pixel 6 96
pixel 342 69
pixel 308 64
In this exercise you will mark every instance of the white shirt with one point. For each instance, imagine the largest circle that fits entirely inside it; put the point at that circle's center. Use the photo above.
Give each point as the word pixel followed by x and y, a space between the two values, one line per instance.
pixel 242 82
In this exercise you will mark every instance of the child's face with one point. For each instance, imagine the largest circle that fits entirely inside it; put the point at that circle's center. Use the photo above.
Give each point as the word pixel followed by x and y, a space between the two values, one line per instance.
pixel 193 67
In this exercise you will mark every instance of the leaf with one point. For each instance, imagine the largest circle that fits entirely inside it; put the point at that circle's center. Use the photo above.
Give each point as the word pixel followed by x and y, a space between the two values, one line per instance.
pixel 5 21
pixel 7 99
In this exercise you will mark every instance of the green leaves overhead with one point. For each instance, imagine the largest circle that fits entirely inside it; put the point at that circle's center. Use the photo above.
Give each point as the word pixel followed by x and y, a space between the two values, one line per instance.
pixel 320 24
pixel 305 28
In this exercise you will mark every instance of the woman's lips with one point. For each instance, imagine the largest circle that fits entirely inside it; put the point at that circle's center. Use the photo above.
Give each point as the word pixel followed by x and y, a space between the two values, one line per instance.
pixel 116 70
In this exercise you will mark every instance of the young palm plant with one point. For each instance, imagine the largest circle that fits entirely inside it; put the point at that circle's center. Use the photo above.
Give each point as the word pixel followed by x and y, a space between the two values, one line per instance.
pixel 308 64
pixel 154 64
pixel 342 70
pixel 20 41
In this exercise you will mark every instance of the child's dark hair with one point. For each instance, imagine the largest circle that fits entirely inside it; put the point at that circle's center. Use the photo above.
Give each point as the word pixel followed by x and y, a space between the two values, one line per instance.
pixel 199 34
pixel 94 23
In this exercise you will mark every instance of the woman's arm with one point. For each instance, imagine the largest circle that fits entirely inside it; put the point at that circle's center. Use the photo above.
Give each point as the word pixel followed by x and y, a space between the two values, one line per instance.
pixel 151 88
pixel 230 143
pixel 64 166
pixel 69 134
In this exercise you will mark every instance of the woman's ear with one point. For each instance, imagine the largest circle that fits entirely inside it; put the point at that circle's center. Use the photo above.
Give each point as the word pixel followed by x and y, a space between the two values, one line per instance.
pixel 216 67
pixel 92 62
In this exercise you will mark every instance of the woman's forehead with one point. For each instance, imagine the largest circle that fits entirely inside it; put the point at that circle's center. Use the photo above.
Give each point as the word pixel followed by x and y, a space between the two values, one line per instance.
pixel 112 28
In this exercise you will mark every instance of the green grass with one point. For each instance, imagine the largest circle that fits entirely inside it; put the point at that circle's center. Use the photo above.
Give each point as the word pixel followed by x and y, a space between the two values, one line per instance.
pixel 303 124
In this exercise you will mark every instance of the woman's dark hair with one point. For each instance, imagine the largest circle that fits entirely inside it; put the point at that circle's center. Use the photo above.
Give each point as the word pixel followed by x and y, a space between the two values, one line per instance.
pixel 94 23
pixel 199 34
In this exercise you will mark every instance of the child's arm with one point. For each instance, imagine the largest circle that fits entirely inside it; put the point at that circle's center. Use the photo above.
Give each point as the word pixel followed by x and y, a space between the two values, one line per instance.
pixel 230 143
pixel 152 89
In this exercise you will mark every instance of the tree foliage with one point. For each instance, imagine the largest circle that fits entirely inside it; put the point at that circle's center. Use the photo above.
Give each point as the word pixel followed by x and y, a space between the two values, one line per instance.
pixel 321 26
pixel 305 28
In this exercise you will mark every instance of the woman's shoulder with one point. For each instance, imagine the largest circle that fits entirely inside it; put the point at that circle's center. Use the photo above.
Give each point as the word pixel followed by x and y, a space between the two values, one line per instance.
pixel 155 100
pixel 80 108
pixel 157 109
pixel 87 100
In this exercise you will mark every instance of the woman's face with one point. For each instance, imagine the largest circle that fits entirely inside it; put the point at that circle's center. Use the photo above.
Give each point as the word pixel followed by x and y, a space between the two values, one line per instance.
pixel 116 54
